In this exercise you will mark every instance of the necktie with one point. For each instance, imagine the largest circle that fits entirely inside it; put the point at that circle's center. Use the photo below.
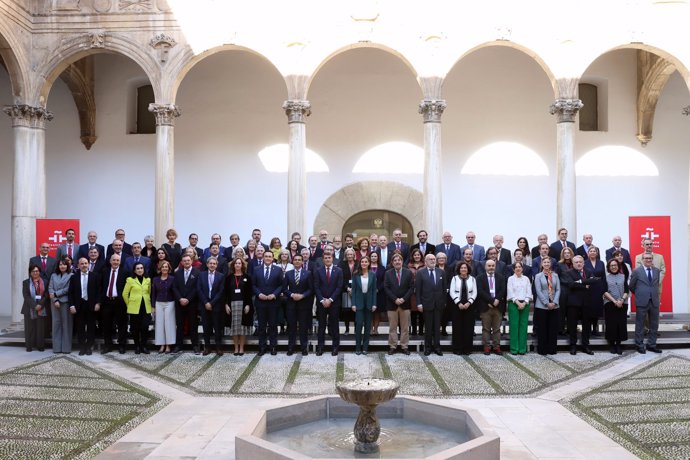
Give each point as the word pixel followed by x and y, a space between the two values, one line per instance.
pixel 43 262
pixel 186 276
pixel 136 259
pixel 69 251
pixel 431 274
pixel 491 282
pixel 584 278
pixel 447 248
pixel 112 283
pixel 563 244
pixel 328 274
pixel 297 277
pixel 210 283
pixel 422 248
pixel 649 274
pixel 397 273
pixel 266 274
pixel 397 246
pixel 91 266
pixel 84 284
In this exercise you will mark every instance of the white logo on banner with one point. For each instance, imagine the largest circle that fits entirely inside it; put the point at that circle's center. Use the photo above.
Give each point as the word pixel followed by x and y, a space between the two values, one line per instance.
pixel 57 237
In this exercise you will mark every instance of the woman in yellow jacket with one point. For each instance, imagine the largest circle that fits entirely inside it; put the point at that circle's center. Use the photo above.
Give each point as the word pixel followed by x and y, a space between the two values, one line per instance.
pixel 137 297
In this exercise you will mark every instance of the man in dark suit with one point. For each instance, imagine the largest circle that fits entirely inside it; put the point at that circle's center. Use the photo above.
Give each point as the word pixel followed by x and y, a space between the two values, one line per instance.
pixel 526 269
pixel 137 257
pixel 315 251
pixel 578 279
pixel 84 248
pixel 491 303
pixel 645 284
pixel 384 252
pixel 583 249
pixel 111 304
pixel 215 239
pixel 267 284
pixel 557 246
pixel 117 247
pixel 338 250
pixel 423 246
pixel 502 254
pixel 328 285
pixel 299 290
pixel 478 252
pixel 430 286
pixel 96 263
pixel 211 289
pixel 44 262
pixel 468 256
pixel 543 253
pixel 215 251
pixel 541 239
pixel 186 303
pixel 307 263
pixel 125 248
pixel 257 261
pixel 450 249
pixel 399 287
pixel 83 301
pixel 229 252
pixel 193 242
pixel 323 240
pixel 69 248
pixel 492 254
pixel 256 236
pixel 618 246
pixel 398 245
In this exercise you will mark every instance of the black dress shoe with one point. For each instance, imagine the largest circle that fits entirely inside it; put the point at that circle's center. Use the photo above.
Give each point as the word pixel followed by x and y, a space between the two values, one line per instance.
pixel 613 350
pixel 274 351
pixel 641 350
pixel 458 353
pixel 145 350
pixel 31 349
pixel 319 351
pixel 391 351
pixel 122 350
pixel 137 350
pixel 82 352
pixel 290 352
pixel 405 351
pixel 438 352
pixel 573 350
pixel 219 352
pixel 653 349
pixel 206 352
pixel 196 349
pixel 587 350
pixel 619 350
pixel 261 352
pixel 177 349
pixel 88 352
pixel 41 349
pixel 305 353
pixel 334 352
pixel 427 352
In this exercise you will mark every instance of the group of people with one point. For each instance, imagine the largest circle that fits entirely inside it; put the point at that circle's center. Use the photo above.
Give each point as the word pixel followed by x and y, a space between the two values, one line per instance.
pixel 418 289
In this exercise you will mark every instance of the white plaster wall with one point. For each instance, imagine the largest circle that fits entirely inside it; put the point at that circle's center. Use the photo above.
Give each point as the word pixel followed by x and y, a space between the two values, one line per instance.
pixel 6 173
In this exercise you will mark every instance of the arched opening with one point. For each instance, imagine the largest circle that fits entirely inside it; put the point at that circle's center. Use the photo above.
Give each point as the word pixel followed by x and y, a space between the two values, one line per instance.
pixel 379 221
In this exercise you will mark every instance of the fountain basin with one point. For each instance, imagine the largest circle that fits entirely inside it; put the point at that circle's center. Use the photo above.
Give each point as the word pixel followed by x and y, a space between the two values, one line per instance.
pixel 460 433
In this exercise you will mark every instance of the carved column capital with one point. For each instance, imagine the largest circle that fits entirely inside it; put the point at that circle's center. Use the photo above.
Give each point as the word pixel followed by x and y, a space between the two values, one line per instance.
pixel 27 116
pixel 165 113
pixel 297 111
pixel 432 109
pixel 565 109
pixel 686 110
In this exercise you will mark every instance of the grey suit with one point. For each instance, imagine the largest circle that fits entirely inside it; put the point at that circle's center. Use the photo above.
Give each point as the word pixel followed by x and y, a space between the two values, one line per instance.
pixel 62 251
pixel 646 303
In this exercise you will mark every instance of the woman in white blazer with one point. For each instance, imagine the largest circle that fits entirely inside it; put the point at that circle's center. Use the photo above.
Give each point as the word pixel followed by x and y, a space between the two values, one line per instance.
pixel 463 291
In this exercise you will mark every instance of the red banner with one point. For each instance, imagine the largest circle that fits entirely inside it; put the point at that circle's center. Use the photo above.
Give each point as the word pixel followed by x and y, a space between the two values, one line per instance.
pixel 52 231
pixel 657 229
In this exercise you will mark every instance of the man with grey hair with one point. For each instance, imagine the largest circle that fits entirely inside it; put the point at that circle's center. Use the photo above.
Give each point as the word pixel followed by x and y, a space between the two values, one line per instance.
pixel 478 252
pixel 579 279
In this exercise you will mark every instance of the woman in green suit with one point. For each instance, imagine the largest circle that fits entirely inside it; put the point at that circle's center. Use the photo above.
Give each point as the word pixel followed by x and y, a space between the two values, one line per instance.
pixel 137 297
pixel 363 303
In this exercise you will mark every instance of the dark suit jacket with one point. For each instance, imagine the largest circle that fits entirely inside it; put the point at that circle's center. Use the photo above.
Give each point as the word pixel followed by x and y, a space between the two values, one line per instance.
pixel 430 295
pixel 404 250
pixel 120 281
pixel 216 297
pixel 644 290
pixel 454 254
pixel 51 266
pixel 535 253
pixel 129 264
pixel 272 285
pixel 126 248
pixel 244 284
pixel 430 249
pixel 556 248
pixel 98 267
pixel 305 287
pixel 92 291
pixel 347 274
pixel 526 271
pixel 222 265
pixel 478 252
pixel 326 289
pixel 84 251
pixel 505 257
pixel 189 290
pixel 484 296
pixel 394 291
pixel 625 252
pixel 578 293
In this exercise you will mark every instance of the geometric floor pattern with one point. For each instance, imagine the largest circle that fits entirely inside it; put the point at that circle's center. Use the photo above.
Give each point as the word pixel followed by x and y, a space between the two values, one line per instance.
pixel 647 410
pixel 476 375
pixel 61 407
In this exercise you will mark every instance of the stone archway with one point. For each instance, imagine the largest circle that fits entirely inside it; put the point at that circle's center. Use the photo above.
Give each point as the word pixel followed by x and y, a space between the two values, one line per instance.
pixel 366 195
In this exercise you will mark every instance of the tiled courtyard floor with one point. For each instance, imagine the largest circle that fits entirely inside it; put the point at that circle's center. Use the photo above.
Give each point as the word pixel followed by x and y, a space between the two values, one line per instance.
pixel 186 406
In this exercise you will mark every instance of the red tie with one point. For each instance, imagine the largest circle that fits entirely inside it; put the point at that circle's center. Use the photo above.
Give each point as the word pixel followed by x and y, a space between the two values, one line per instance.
pixel 328 275
pixel 397 273
pixel 43 262
pixel 69 251
pixel 584 278
pixel 112 282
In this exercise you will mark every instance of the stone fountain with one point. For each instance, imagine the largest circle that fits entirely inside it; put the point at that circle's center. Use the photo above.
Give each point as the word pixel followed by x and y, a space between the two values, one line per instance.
pixel 367 394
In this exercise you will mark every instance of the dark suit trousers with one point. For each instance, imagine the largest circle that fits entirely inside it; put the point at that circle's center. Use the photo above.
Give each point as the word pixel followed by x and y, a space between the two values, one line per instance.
pixel 575 313
pixel 188 313
pixel 432 333
pixel 114 311
pixel 463 328
pixel 548 325
pixel 34 331
pixel 298 313
pixel 328 316
pixel 213 321
pixel 85 324
pixel 140 326
pixel 267 313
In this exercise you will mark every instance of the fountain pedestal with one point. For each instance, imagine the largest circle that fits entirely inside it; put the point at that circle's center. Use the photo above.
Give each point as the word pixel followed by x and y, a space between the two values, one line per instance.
pixel 367 394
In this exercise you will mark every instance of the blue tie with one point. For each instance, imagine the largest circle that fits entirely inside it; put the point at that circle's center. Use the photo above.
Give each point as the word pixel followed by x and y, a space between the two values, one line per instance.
pixel 649 275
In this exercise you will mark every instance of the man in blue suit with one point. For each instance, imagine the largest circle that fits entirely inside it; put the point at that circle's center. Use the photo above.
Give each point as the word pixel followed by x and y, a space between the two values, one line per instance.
pixel 84 248
pixel 137 257
pixel 267 283
pixel 478 252
pixel 618 246
pixel 450 249
pixel 562 242
pixel 645 284
pixel 328 285
pixel 211 286
pixel 299 290
pixel 398 245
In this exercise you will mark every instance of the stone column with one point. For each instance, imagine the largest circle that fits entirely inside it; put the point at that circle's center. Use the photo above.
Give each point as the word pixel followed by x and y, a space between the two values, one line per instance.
pixel 165 167
pixel 297 112
pixel 686 111
pixel 431 110
pixel 29 191
pixel 566 207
